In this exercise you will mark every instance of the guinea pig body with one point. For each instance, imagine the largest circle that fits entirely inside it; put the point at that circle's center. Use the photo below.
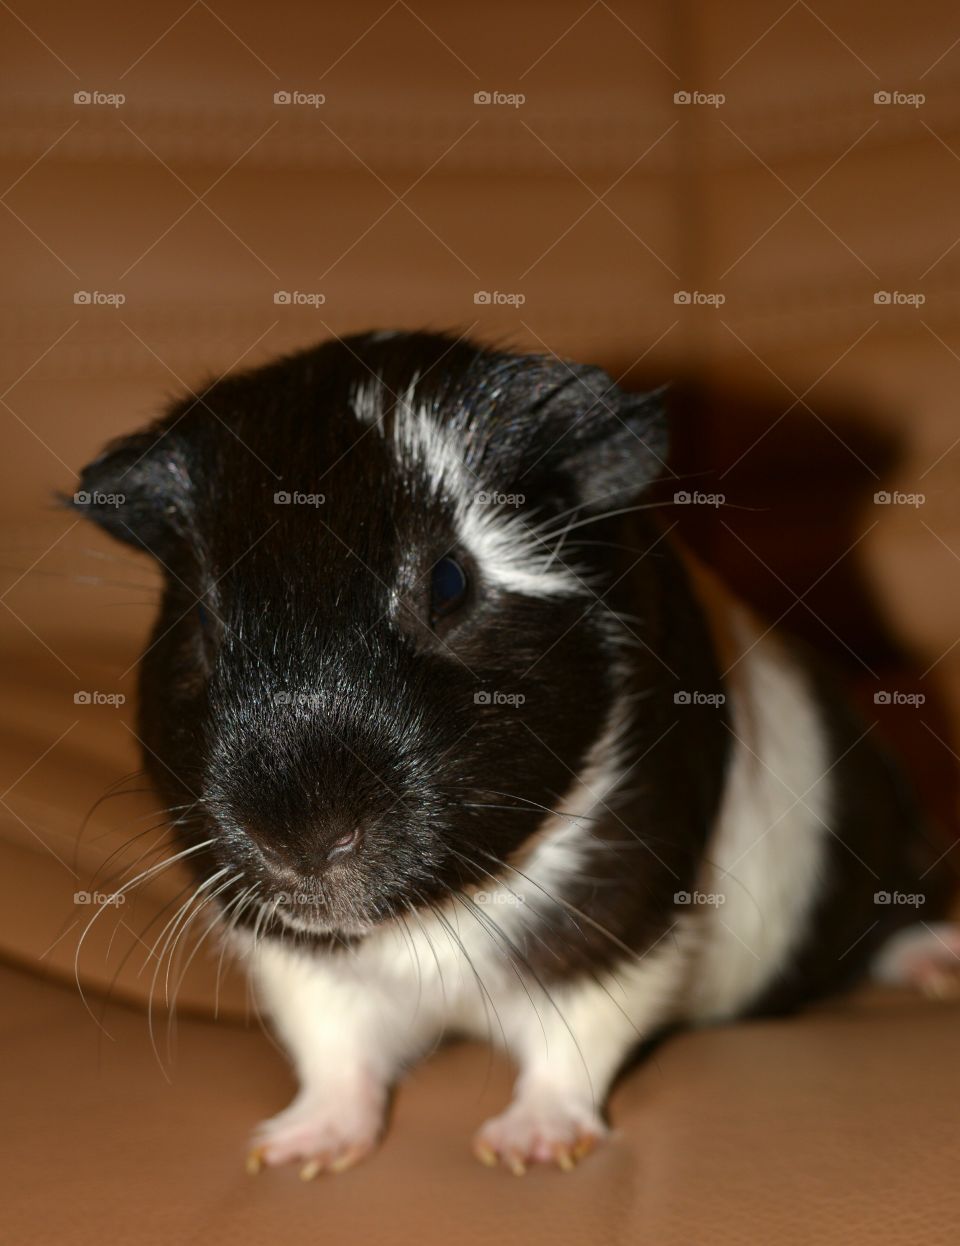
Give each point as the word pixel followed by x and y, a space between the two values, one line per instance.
pixel 465 746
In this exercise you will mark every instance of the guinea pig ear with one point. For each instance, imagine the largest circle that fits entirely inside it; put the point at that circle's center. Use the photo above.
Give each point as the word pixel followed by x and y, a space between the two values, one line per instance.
pixel 126 491
pixel 606 444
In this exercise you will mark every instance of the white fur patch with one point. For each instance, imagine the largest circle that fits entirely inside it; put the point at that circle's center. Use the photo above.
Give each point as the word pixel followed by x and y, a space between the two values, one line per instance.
pixel 376 1008
pixel 505 547
pixel 409 983
pixel 768 850
pixel 923 955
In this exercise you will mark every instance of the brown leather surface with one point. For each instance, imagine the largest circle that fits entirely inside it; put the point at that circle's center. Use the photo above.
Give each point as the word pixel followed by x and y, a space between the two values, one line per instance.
pixel 837 1128
pixel 598 200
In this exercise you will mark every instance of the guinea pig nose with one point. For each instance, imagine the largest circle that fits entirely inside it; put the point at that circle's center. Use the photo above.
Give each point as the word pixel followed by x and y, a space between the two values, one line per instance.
pixel 343 844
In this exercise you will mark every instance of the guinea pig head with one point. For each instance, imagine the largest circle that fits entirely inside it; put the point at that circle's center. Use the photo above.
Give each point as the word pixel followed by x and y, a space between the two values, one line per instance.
pixel 386 647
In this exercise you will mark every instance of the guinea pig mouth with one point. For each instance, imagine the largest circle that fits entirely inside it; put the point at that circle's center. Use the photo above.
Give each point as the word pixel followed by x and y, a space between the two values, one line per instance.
pixel 309 908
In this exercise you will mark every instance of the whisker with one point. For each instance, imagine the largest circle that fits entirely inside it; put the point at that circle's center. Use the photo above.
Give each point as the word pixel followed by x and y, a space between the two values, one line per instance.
pixel 173 925
pixel 556 813
pixel 211 926
pixel 113 899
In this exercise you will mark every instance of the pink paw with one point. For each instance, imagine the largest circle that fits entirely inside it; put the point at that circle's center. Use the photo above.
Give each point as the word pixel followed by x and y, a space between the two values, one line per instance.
pixel 329 1134
pixel 539 1132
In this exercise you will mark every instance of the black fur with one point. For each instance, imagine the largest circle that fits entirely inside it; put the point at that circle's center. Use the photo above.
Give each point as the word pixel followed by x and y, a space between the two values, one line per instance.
pixel 296 689
pixel 327 606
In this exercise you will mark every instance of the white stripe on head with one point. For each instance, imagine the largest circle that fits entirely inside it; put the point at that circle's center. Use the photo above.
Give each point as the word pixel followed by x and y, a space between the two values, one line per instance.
pixel 508 551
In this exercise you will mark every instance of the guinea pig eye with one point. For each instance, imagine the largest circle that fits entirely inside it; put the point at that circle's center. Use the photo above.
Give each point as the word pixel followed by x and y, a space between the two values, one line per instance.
pixel 448 587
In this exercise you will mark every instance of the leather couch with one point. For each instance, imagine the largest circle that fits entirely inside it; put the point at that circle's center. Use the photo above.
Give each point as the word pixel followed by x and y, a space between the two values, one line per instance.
pixel 753 202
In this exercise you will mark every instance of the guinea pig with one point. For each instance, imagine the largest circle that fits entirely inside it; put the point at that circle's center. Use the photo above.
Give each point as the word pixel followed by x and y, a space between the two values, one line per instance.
pixel 466 745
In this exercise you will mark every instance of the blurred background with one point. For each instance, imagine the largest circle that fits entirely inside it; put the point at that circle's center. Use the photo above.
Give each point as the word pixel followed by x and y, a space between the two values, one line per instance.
pixel 755 204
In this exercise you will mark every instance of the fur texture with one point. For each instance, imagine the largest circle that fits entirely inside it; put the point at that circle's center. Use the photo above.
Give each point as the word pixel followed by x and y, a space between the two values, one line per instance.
pixel 545 819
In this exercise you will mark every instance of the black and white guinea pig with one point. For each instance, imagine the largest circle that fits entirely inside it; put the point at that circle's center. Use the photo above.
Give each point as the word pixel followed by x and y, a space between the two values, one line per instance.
pixel 464 745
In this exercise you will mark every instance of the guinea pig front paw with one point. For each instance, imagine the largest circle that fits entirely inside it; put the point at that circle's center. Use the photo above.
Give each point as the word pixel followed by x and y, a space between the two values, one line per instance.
pixel 327 1134
pixel 538 1132
pixel 925 957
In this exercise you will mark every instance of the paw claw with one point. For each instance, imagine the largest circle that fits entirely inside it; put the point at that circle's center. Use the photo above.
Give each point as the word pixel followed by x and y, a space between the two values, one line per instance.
pixel 514 1161
pixel 321 1134
pixel 348 1159
pixel 311 1169
pixel 485 1154
pixel 564 1158
pixel 539 1131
